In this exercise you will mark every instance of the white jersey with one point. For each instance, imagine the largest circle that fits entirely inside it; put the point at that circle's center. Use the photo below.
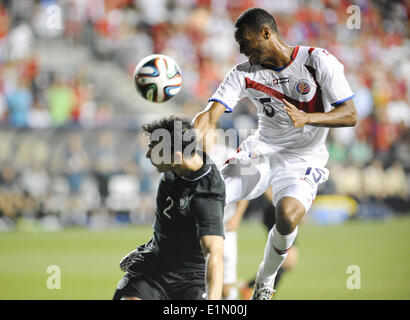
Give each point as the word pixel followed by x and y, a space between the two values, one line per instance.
pixel 313 81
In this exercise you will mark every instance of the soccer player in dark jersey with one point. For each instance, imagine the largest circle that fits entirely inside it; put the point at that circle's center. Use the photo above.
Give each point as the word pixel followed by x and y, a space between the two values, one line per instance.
pixel 184 258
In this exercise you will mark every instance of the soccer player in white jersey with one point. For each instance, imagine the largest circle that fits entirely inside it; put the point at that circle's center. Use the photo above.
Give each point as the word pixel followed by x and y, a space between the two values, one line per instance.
pixel 300 92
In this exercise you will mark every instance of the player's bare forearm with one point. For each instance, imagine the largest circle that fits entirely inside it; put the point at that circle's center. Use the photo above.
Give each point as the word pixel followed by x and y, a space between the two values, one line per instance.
pixel 344 115
pixel 208 118
pixel 212 247
pixel 214 276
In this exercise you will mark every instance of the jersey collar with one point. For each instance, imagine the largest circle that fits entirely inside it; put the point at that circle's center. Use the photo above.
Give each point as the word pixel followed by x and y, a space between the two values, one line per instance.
pixel 202 172
pixel 292 58
pixel 196 175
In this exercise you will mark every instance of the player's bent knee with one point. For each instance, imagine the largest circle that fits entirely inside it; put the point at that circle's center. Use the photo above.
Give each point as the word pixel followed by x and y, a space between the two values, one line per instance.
pixel 289 212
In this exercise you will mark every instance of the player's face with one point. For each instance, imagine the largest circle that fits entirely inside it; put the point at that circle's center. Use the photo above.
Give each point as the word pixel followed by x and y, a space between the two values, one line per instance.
pixel 252 45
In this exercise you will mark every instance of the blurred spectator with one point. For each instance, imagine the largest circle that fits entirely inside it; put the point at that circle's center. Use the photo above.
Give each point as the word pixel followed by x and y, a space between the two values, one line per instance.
pixel 8 177
pixel 147 176
pixel 19 102
pixel 397 186
pixel 20 41
pixel 35 181
pixel 337 151
pixel 348 180
pixel 363 100
pixel 105 162
pixel 39 117
pixel 76 162
pixel 360 152
pixel 401 150
pixel 10 194
pixel 61 100
pixel 396 181
pixel 374 178
pixel 3 108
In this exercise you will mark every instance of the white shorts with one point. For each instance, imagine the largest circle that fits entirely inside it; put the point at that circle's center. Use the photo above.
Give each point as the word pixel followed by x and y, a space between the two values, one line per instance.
pixel 230 257
pixel 257 166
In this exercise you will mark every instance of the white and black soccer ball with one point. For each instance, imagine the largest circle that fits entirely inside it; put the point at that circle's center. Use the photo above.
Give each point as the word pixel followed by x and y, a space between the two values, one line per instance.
pixel 157 78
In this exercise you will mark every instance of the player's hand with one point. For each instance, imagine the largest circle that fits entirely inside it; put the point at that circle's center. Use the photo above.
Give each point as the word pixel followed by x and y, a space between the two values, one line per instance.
pixel 298 117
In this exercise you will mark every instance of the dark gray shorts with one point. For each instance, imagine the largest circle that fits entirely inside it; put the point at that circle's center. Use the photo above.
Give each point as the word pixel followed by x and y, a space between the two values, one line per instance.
pixel 148 283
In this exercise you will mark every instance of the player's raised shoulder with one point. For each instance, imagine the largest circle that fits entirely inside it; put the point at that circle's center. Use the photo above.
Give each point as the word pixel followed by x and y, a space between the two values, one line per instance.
pixel 320 57
pixel 235 78
pixel 243 67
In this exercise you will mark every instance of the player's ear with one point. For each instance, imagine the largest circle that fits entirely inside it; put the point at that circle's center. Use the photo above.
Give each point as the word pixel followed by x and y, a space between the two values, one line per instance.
pixel 266 32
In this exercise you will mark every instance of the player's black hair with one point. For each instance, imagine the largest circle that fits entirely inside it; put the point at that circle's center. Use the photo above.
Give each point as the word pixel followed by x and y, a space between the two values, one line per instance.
pixel 180 130
pixel 255 19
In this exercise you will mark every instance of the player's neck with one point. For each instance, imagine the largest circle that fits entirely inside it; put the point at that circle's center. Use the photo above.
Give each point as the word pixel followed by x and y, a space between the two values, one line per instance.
pixel 281 55
pixel 188 166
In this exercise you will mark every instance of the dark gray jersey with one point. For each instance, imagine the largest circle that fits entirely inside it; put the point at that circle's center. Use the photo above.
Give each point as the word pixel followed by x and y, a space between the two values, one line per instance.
pixel 187 209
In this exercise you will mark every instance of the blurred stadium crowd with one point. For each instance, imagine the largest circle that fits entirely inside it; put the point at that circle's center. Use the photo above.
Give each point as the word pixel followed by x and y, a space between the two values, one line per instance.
pixel 68 154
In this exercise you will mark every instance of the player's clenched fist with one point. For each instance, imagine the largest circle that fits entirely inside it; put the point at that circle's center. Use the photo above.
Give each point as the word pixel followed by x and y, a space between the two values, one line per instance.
pixel 298 117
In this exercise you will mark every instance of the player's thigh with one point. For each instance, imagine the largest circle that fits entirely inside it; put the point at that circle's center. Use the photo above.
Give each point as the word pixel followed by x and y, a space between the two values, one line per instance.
pixel 230 257
pixel 300 183
pixel 245 180
pixel 140 286
pixel 292 200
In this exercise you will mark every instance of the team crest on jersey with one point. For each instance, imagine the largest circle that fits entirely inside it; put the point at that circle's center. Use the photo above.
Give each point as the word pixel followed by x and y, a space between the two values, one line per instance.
pixel 302 87
pixel 184 203
pixel 122 283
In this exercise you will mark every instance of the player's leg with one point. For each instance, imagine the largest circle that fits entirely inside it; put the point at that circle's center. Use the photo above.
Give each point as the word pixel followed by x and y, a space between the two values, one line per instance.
pixel 237 185
pixel 247 175
pixel 245 180
pixel 292 201
pixel 269 219
pixel 288 265
pixel 291 205
pixel 289 212
pixel 293 258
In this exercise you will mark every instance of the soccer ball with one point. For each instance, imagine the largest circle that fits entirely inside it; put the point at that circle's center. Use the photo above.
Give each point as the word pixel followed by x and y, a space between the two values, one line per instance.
pixel 157 78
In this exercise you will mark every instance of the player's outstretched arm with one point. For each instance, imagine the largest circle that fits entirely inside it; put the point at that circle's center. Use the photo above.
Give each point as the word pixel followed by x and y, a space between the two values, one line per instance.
pixel 212 247
pixel 208 118
pixel 344 115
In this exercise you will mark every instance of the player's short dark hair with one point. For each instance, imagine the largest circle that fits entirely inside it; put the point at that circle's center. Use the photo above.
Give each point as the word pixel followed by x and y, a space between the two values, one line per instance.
pixel 255 19
pixel 180 130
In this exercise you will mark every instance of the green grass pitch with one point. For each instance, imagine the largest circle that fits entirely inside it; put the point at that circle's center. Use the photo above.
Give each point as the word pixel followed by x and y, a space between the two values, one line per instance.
pixel 88 260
